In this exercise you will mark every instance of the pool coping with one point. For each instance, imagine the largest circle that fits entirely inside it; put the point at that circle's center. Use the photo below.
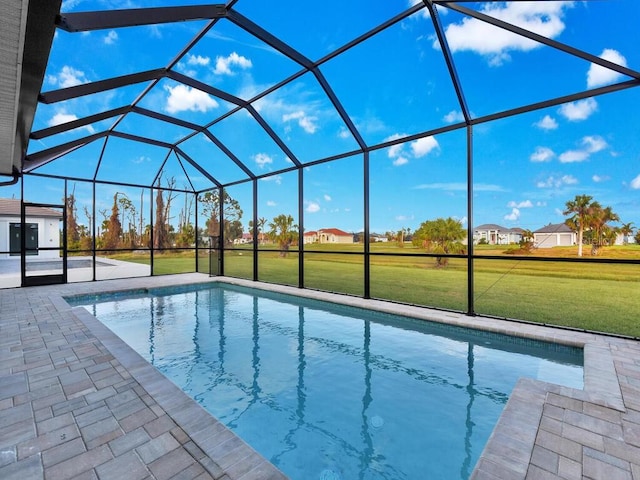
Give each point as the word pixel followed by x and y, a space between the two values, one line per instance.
pixel 527 441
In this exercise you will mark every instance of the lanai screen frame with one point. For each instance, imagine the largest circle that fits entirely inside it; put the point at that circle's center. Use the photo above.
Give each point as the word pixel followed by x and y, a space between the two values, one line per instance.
pixel 89 21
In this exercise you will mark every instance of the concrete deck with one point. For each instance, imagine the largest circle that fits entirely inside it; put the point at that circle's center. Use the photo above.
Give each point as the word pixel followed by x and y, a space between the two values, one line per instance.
pixel 76 402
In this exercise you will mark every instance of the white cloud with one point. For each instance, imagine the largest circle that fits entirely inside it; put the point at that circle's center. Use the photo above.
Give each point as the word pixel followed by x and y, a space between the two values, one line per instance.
pixel 395 150
pixel 600 178
pixel 593 144
pixel 198 60
pixel 327 198
pixel 524 204
pixel 541 204
pixel 513 216
pixel 580 110
pixel 271 203
pixel 313 207
pixel 111 37
pixel 573 156
pixel 419 148
pixel 224 64
pixel 63 117
pixel 182 98
pixel 68 77
pixel 454 116
pixel 590 144
pixel 556 182
pixel 635 183
pixel 343 133
pixel 404 218
pixel 544 18
pixel 423 146
pixel 598 76
pixel 547 123
pixel 262 159
pixel 542 154
pixel 306 122
pixel 141 159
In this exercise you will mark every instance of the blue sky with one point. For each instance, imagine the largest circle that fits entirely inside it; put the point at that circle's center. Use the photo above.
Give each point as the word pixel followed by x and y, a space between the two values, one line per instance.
pixel 396 84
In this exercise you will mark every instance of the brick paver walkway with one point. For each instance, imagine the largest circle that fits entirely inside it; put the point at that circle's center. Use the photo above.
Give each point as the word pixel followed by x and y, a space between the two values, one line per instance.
pixel 77 403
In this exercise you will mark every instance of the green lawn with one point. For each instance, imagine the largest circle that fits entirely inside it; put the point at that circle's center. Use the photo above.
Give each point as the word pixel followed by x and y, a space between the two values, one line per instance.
pixel 599 297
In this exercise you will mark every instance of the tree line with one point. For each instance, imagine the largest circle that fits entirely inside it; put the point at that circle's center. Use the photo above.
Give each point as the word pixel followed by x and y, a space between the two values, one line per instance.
pixel 124 226
pixel 588 218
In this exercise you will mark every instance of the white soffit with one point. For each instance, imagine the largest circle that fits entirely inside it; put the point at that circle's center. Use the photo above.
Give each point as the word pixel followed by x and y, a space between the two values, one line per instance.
pixel 12 28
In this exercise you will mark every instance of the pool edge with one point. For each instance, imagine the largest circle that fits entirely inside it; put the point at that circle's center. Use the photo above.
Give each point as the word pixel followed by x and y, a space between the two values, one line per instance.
pixel 601 384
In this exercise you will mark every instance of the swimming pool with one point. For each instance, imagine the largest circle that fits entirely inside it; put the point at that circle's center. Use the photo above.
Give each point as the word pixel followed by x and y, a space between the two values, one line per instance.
pixel 332 392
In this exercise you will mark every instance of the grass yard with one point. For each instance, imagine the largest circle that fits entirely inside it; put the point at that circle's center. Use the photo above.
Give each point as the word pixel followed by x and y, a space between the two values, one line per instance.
pixel 599 297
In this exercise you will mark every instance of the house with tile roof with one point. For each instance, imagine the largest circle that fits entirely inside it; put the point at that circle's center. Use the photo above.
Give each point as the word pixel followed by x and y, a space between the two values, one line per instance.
pixel 42 227
pixel 328 235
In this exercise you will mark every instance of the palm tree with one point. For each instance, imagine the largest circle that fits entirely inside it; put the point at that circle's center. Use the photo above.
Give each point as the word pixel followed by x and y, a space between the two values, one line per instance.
pixel 579 207
pixel 261 223
pixel 282 230
pixel 597 221
pixel 626 230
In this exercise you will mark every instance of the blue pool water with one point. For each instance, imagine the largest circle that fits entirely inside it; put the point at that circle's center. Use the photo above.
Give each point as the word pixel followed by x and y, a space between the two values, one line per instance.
pixel 332 392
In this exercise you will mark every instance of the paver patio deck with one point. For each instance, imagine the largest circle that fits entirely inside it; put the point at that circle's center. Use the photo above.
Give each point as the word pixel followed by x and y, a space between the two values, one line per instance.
pixel 76 402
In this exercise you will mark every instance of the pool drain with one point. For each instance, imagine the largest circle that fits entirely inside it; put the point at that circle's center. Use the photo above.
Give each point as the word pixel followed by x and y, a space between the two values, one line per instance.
pixel 377 421
pixel 328 474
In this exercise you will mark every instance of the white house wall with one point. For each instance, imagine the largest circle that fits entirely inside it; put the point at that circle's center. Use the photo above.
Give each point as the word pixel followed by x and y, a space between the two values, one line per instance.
pixel 548 240
pixel 48 236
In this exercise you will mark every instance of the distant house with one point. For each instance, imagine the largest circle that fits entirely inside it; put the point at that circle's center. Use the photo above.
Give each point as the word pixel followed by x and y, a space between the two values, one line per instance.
pixel 244 239
pixel 42 227
pixel 328 235
pixel 624 239
pixel 376 237
pixel 310 237
pixel 496 234
pixel 554 235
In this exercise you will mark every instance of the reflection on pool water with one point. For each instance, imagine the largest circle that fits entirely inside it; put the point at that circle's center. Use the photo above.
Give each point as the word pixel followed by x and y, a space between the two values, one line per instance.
pixel 333 392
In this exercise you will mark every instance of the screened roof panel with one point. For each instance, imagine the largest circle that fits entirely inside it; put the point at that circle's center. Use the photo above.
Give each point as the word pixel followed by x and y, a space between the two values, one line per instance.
pixel 619 45
pixel 235 61
pixel 187 174
pixel 250 143
pixel 222 167
pixel 184 102
pixel 84 106
pixel 348 79
pixel 152 128
pixel 314 28
pixel 129 50
pixel 172 171
pixel 306 120
pixel 79 163
pixel 46 142
pixel 395 84
pixel 132 162
pixel 516 70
